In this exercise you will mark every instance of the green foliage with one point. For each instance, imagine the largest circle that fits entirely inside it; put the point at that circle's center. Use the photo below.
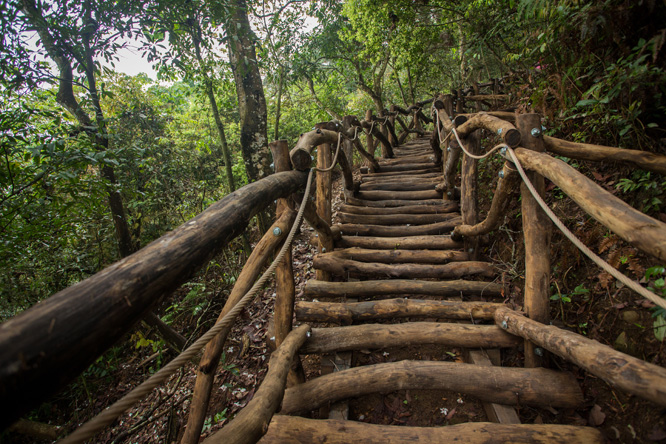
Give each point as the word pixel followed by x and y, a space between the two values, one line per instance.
pixel 656 275
pixel 647 188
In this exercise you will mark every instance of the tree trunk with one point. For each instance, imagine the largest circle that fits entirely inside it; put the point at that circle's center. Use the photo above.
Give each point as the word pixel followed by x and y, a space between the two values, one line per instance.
pixel 250 92
pixel 276 134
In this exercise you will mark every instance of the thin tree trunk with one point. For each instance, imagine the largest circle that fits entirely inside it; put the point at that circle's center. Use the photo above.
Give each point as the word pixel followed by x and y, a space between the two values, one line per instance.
pixel 279 104
pixel 250 91
pixel 411 85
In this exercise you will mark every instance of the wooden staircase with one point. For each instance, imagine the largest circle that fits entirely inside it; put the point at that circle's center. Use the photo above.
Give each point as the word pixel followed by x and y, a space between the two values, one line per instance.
pixel 398 281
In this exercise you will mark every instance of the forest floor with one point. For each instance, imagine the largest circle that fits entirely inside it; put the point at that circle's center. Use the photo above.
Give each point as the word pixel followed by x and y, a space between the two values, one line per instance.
pixel 594 305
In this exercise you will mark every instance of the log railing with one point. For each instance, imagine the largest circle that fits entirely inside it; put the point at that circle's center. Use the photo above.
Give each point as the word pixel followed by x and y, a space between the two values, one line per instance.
pixel 642 231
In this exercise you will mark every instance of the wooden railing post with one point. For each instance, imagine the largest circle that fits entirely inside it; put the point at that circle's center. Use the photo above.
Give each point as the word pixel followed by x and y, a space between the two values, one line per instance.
pixel 284 274
pixel 393 137
pixel 478 105
pixel 468 191
pixel 370 143
pixel 285 288
pixel 323 200
pixel 537 232
pixel 460 102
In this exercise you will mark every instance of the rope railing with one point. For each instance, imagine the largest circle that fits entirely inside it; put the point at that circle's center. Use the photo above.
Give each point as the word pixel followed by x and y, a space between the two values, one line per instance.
pixel 582 247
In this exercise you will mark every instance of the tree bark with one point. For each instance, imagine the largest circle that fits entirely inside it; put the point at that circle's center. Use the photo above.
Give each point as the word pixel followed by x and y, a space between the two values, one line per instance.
pixel 503 385
pixel 250 92
pixel 403 287
pixel 374 336
pixel 297 430
pixel 348 313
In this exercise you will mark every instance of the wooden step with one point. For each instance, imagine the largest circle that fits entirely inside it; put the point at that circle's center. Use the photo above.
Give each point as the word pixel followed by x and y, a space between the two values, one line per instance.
pixel 296 430
pixel 399 195
pixel 403 287
pixel 502 385
pixel 392 203
pixel 396 256
pixel 404 242
pixel 350 268
pixel 447 206
pixel 399 231
pixel 415 172
pixel 412 158
pixel 398 186
pixel 395 219
pixel 354 312
pixel 377 178
pixel 380 336
pixel 409 168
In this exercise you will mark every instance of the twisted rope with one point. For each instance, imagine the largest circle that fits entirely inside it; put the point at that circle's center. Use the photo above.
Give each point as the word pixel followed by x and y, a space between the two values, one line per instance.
pixel 559 224
pixel 105 418
pixel 473 156
pixel 335 158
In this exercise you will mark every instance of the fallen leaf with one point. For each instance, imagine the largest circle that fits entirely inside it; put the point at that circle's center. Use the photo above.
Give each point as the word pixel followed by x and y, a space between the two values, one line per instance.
pixel 597 417
pixel 450 414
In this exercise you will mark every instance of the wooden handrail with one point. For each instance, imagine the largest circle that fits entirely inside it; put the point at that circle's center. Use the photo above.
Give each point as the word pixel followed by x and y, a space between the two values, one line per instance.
pixel 45 347
pixel 618 369
pixel 509 134
pixel 637 228
pixel 587 151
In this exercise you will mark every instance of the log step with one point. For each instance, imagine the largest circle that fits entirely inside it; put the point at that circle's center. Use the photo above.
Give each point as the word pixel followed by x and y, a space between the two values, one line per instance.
pixel 447 206
pixel 396 256
pixel 407 167
pixel 351 312
pixel 402 242
pixel 502 385
pixel 412 172
pixel 409 159
pixel 393 203
pixel 379 336
pixel 392 177
pixel 399 231
pixel 395 219
pixel 399 195
pixel 402 287
pixel 350 268
pixel 296 430
pixel 398 186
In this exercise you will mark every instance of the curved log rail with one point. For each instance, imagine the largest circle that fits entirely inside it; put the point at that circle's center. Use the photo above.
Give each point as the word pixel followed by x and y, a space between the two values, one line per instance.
pixel 401 220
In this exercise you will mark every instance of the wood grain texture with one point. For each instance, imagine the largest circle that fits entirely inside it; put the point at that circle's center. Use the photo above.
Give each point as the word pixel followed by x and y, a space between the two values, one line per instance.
pixel 537 233
pixel 407 242
pixel 616 368
pixel 350 268
pixel 375 336
pixel 346 313
pixel 401 230
pixel 314 288
pixel 503 385
pixel 586 151
pixel 297 430
pixel 637 228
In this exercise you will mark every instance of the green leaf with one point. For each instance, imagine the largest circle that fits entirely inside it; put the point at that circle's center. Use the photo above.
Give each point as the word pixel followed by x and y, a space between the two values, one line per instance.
pixel 659 328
